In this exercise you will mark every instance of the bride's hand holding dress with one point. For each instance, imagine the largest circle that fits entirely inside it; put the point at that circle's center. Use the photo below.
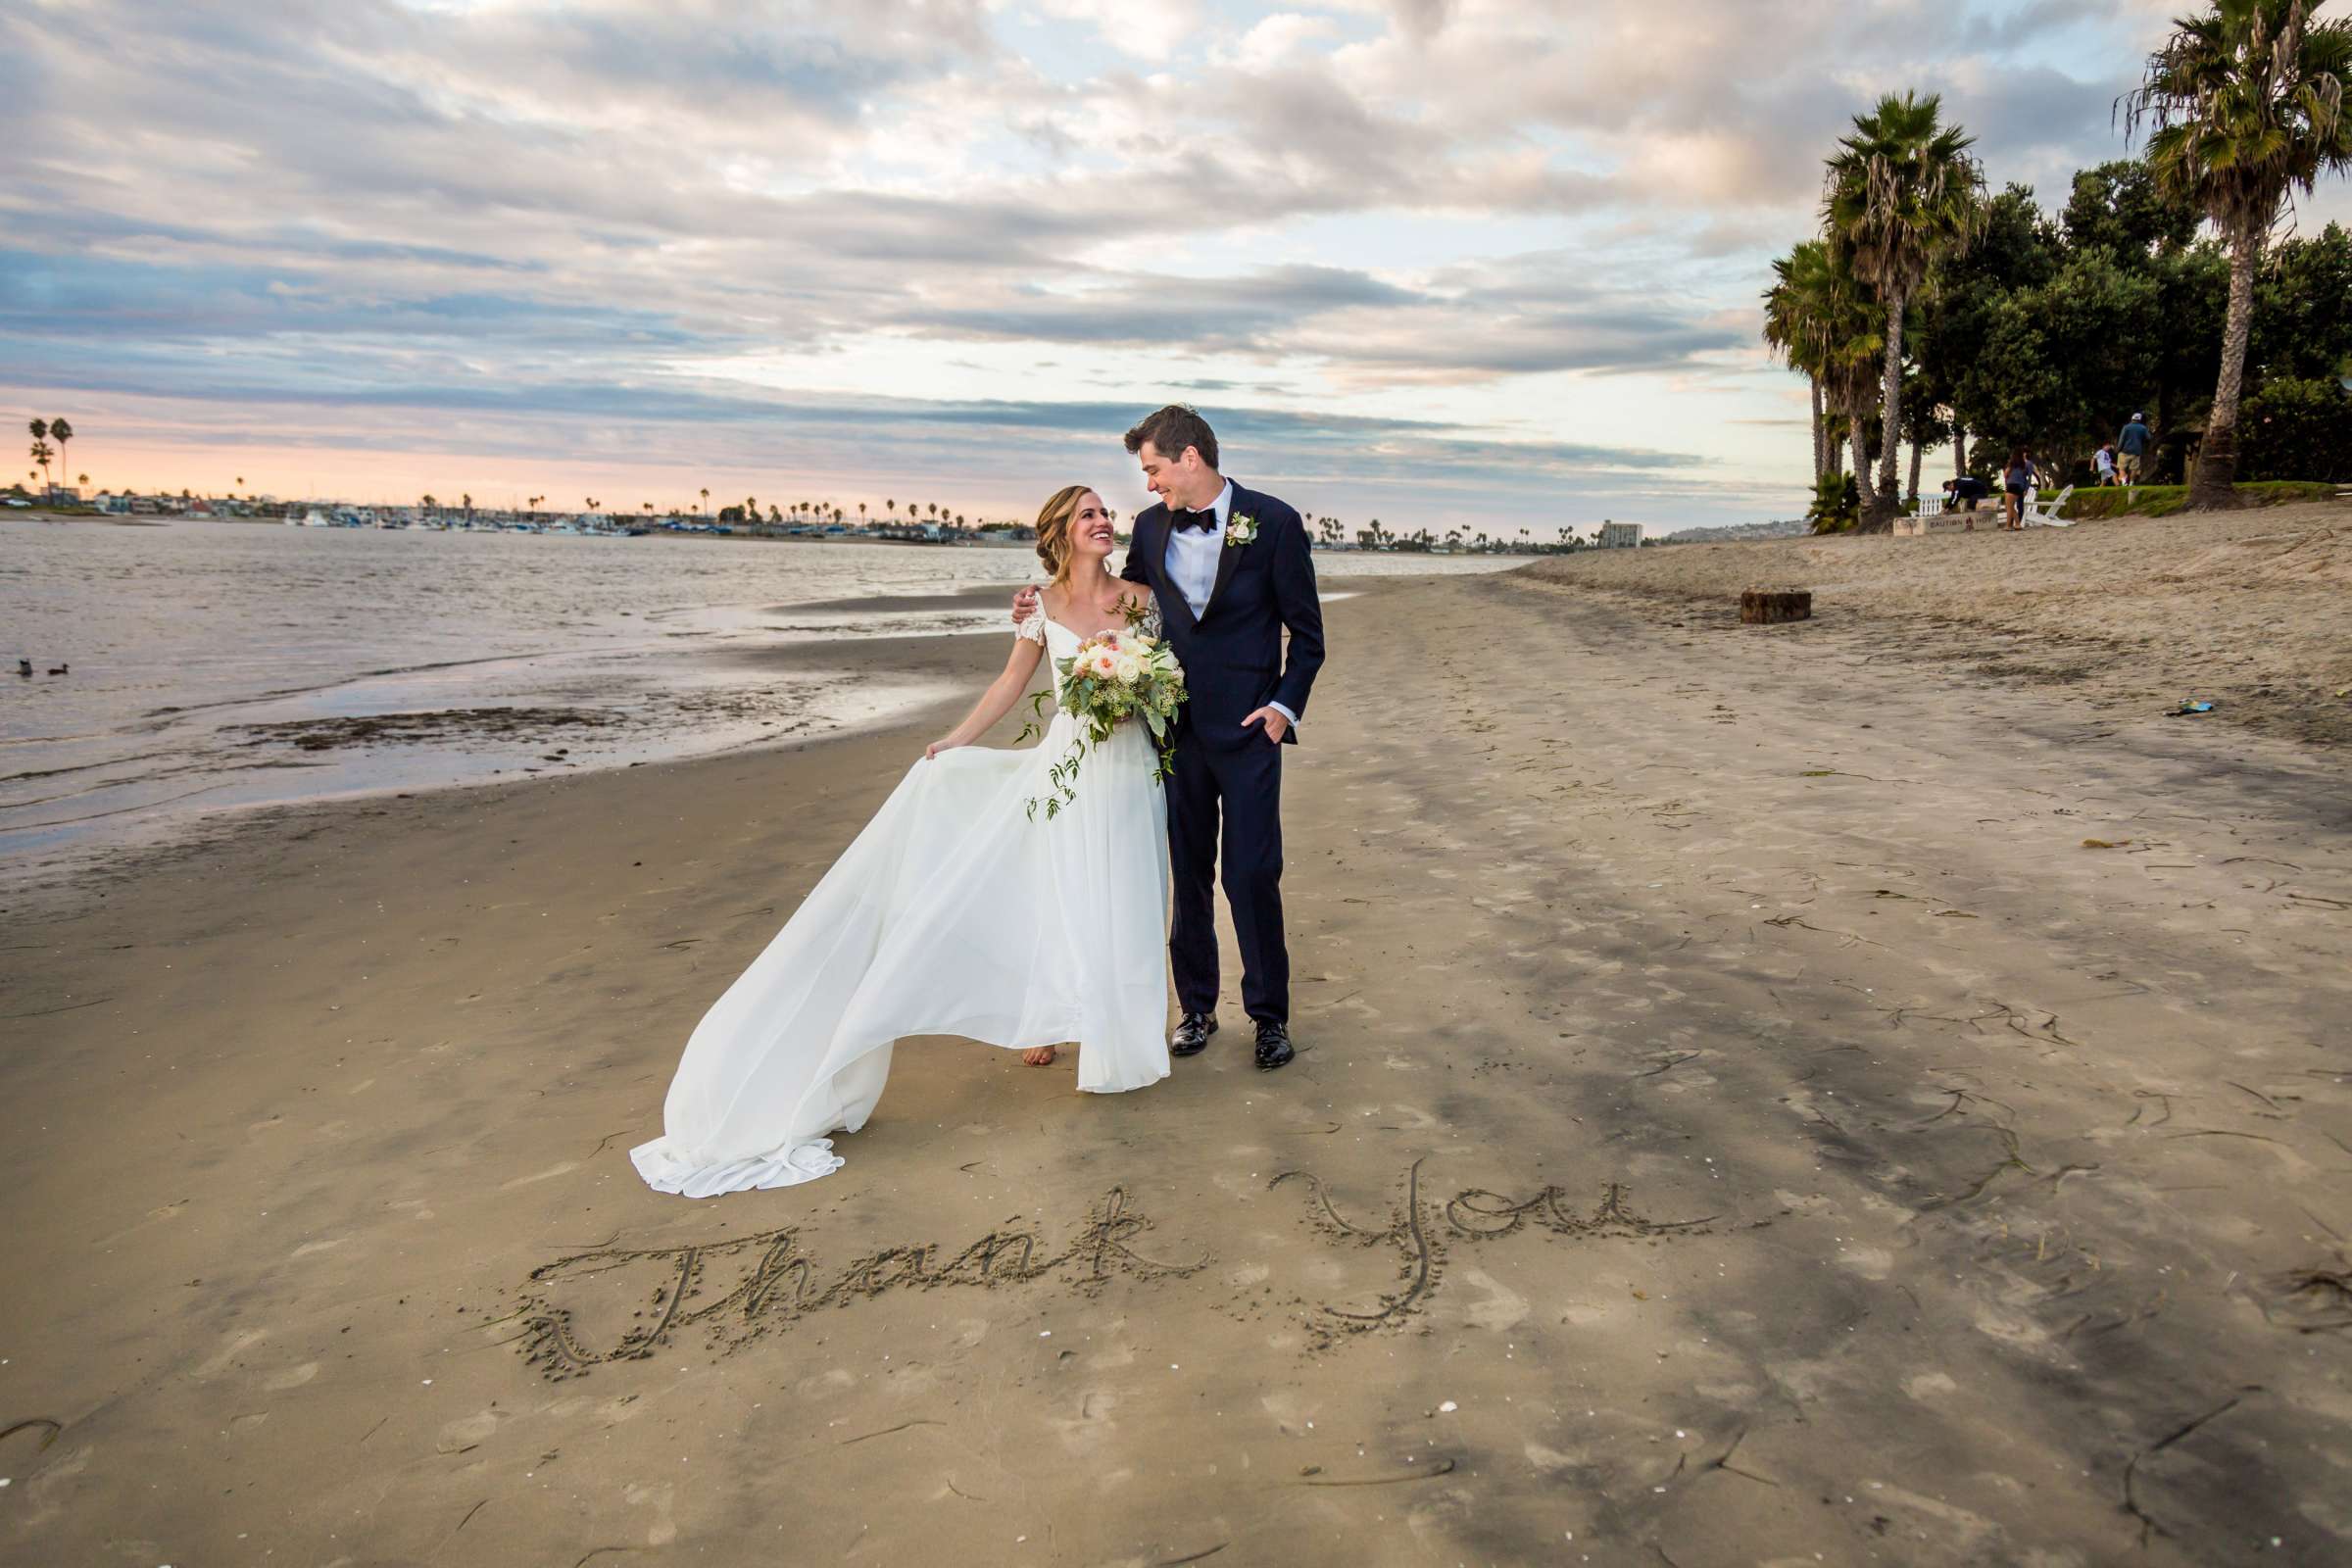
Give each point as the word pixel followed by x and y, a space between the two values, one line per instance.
pixel 952 913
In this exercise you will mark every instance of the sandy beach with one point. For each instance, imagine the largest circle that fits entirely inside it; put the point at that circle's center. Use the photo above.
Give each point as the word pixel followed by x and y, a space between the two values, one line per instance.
pixel 1837 1092
pixel 2249 610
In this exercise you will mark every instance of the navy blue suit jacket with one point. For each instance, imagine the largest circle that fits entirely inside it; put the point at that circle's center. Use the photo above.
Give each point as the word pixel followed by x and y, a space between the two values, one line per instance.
pixel 1232 654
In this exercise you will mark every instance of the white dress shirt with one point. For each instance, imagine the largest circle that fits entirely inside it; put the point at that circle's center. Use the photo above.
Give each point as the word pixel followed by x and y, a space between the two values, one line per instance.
pixel 1193 556
pixel 1192 563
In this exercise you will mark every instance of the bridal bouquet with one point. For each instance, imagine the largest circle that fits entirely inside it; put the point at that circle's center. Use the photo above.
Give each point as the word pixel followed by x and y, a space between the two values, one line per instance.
pixel 1112 677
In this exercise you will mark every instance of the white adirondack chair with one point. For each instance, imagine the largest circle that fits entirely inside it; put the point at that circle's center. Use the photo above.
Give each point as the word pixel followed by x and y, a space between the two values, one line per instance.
pixel 2047 516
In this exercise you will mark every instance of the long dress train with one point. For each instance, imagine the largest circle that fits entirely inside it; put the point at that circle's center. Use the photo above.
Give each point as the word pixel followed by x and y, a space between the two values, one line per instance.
pixel 951 914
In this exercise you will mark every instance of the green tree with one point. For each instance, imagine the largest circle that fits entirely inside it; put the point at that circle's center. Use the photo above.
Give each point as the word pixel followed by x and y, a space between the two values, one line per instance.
pixel 1902 188
pixel 2060 360
pixel 1819 318
pixel 1791 330
pixel 2246 103
pixel 2016 248
pixel 2298 428
pixel 1854 347
pixel 2121 206
pixel 2303 308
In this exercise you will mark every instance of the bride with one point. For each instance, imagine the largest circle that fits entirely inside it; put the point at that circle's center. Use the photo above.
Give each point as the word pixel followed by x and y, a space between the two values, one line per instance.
pixel 954 913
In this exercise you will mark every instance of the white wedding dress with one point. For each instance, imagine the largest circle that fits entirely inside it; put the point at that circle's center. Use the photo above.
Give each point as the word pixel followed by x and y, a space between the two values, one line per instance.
pixel 951 914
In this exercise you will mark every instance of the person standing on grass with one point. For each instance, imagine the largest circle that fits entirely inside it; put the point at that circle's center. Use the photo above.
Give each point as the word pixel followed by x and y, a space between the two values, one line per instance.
pixel 2133 444
pixel 2102 462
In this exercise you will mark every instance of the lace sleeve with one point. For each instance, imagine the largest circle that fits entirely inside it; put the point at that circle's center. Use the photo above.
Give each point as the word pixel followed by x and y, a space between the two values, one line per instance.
pixel 1154 625
pixel 1033 628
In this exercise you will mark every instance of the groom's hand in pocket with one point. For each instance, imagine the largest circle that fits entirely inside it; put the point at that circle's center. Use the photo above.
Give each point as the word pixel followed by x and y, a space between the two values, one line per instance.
pixel 1024 605
pixel 1277 726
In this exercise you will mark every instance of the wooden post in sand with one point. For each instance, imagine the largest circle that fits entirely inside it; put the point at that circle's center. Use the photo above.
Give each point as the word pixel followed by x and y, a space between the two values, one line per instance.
pixel 1759 608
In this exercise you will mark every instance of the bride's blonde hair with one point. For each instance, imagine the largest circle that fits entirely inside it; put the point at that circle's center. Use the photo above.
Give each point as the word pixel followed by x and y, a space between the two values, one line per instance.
pixel 1053 531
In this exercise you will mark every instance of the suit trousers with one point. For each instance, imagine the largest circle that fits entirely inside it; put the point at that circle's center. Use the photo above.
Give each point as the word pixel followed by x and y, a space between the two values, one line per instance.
pixel 1244 786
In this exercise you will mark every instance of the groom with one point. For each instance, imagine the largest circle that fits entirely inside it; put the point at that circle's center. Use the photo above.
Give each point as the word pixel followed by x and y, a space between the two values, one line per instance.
pixel 1231 570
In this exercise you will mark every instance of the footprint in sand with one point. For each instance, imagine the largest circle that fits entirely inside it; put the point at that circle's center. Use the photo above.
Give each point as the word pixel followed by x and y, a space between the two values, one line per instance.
pixel 1498 1307
pixel 1870 1262
pixel 221 1360
pixel 664 1528
pixel 1930 1385
pixel 293 1377
pixel 564 1169
pixel 466 1432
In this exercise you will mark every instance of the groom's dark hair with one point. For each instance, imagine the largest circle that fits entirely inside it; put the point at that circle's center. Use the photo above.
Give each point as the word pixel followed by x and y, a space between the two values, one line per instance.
pixel 1171 430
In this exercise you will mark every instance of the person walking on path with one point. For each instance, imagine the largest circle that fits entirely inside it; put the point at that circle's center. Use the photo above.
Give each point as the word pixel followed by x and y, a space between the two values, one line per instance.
pixel 2132 443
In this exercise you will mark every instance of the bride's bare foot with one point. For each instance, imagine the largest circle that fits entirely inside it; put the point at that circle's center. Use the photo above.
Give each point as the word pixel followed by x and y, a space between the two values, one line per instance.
pixel 1039 1055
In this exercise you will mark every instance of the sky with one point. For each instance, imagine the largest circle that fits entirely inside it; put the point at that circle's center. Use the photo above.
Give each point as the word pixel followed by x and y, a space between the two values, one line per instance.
pixel 1481 263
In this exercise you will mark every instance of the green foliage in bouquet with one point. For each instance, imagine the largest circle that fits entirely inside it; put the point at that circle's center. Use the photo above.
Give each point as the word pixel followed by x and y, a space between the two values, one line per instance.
pixel 1103 701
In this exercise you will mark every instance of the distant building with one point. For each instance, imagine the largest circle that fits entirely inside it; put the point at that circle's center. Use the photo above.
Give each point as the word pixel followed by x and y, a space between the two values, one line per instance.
pixel 1620 535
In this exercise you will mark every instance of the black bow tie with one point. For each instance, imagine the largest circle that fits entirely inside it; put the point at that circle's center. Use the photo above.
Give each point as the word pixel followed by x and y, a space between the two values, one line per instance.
pixel 1179 519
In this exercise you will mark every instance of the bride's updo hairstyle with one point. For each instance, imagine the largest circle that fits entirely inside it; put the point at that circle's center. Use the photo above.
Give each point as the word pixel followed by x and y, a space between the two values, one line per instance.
pixel 1053 531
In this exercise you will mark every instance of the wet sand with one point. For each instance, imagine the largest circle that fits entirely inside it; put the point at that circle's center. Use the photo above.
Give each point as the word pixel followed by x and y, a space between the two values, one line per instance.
pixel 1763 1098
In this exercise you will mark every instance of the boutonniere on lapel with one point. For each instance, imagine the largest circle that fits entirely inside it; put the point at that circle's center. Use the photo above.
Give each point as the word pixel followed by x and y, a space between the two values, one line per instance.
pixel 1241 530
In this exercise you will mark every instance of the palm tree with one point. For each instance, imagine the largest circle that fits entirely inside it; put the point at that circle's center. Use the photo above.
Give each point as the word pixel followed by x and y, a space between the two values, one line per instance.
pixel 2248 104
pixel 1852 347
pixel 61 432
pixel 861 514
pixel 1794 319
pixel 890 507
pixel 40 448
pixel 1901 189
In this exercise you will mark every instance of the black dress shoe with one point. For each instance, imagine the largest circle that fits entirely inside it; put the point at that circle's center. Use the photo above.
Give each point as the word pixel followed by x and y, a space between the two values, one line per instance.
pixel 1192 1034
pixel 1273 1044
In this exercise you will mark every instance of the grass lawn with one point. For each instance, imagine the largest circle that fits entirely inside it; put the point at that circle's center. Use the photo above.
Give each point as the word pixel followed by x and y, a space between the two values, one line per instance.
pixel 2162 500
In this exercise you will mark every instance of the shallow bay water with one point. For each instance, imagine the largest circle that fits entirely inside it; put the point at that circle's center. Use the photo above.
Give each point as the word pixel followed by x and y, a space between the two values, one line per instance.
pixel 211 667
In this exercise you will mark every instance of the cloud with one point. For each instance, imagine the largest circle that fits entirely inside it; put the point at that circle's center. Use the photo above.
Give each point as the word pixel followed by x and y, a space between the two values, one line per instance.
pixel 1150 30
pixel 555 212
